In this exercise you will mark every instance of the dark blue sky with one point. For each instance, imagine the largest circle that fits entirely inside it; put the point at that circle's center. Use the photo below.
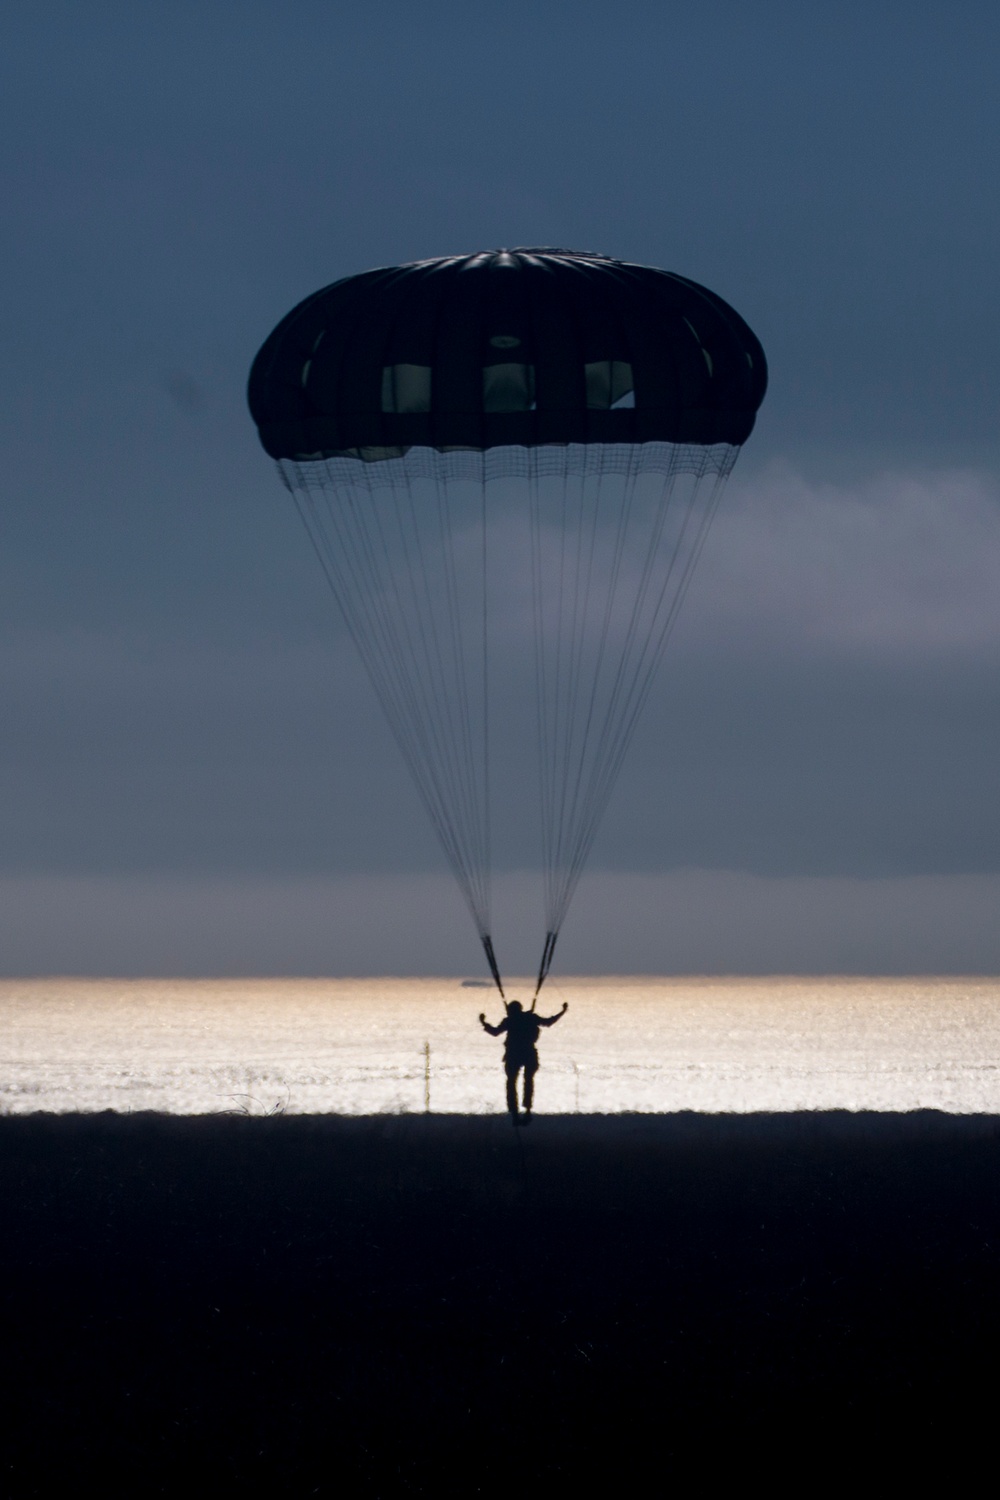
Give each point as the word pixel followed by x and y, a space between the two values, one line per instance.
pixel 179 703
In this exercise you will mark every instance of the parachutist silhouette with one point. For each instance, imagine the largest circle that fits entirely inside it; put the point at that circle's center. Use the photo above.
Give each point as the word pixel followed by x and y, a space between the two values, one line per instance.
pixel 521 1028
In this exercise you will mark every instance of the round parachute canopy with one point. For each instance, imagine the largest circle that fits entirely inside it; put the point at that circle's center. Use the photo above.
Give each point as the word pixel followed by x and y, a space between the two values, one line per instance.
pixel 508 464
pixel 522 347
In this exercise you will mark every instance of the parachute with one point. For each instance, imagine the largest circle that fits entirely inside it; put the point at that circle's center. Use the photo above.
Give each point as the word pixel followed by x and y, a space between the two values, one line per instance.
pixel 511 456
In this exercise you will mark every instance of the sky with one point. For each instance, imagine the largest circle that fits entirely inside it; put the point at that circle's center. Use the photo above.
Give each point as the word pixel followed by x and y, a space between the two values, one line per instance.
pixel 195 776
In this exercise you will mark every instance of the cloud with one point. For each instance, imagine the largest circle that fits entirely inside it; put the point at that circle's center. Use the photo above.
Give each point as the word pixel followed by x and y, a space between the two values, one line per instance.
pixel 827 708
pixel 894 567
pixel 690 921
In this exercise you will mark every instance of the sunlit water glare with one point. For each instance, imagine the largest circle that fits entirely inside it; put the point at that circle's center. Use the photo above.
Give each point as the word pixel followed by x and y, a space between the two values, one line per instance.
pixel 367 1046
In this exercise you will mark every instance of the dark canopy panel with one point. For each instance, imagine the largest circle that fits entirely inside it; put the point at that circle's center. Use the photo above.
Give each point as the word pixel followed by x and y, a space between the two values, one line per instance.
pixel 523 347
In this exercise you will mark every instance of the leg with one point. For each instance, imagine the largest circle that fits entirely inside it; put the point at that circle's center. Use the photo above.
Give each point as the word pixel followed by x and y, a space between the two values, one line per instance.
pixel 512 1091
pixel 530 1069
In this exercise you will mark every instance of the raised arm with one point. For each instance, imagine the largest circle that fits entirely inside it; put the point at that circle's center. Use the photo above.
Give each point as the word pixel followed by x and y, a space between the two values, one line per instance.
pixel 493 1030
pixel 551 1020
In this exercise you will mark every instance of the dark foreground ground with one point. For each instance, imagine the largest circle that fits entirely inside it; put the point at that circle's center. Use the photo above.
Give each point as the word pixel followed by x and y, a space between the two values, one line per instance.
pixel 441 1305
